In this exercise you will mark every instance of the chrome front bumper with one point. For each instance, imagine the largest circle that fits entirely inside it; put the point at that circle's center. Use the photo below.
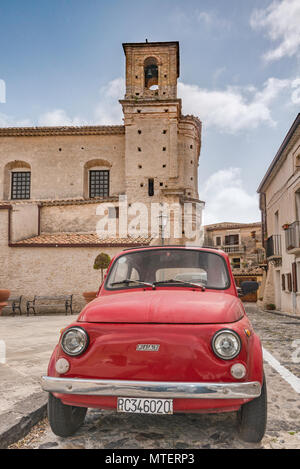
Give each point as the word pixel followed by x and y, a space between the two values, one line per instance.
pixel 171 390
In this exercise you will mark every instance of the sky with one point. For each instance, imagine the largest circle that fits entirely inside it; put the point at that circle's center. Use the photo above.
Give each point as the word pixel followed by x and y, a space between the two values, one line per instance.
pixel 62 63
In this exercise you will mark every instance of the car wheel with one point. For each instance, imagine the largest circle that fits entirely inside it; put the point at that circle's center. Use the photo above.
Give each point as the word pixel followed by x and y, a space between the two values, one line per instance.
pixel 252 417
pixel 64 419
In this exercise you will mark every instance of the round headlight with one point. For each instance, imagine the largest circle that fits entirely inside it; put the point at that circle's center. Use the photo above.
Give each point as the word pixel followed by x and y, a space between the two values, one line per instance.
pixel 226 344
pixel 74 341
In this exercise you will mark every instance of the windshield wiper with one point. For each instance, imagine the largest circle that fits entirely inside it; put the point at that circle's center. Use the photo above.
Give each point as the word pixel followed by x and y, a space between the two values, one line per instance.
pixel 185 282
pixel 127 281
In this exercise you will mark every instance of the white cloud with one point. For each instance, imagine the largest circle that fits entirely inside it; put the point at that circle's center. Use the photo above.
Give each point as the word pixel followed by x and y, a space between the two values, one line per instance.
pixel 280 21
pixel 227 200
pixel 236 108
pixel 10 121
pixel 296 94
pixel 59 117
pixel 109 110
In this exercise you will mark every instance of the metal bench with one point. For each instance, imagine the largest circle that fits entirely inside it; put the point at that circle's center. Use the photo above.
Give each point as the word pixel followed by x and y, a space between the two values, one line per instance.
pixel 14 302
pixel 39 301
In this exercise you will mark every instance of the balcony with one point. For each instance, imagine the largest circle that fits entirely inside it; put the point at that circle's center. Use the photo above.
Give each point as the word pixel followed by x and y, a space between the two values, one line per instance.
pixel 233 248
pixel 292 238
pixel 273 247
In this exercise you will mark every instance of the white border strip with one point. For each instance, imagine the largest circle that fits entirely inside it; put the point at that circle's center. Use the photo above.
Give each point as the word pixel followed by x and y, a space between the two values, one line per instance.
pixel 284 372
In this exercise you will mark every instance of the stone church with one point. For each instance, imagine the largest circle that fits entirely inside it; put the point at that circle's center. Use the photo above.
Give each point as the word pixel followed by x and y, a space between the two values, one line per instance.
pixel 53 180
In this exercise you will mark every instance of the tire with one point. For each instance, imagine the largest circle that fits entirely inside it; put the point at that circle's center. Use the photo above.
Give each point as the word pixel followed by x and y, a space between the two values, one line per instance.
pixel 252 417
pixel 64 420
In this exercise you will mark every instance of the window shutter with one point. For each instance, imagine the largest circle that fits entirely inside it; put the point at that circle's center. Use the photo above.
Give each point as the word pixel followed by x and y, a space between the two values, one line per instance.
pixel 289 281
pixel 294 274
pixel 283 282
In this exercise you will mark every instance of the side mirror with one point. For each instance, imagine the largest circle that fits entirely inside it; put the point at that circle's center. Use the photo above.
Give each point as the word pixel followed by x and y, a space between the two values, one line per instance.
pixel 247 287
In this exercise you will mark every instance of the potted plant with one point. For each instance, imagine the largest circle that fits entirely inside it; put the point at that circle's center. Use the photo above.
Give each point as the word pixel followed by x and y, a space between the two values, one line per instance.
pixel 101 262
pixel 285 226
pixel 4 295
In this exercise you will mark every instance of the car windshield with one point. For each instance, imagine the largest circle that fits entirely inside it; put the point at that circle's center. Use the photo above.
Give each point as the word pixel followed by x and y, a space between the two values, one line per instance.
pixel 165 267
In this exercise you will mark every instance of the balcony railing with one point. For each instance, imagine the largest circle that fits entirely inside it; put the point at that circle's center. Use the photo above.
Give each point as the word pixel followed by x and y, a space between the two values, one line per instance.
pixel 273 248
pixel 292 236
pixel 233 248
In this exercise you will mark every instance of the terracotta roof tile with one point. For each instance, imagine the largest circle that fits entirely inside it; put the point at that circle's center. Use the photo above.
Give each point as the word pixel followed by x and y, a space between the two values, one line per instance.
pixel 229 225
pixel 4 204
pixel 81 239
pixel 67 130
pixel 95 200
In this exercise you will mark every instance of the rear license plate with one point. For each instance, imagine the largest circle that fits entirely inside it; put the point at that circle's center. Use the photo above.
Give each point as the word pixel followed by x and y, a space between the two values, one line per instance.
pixel 145 406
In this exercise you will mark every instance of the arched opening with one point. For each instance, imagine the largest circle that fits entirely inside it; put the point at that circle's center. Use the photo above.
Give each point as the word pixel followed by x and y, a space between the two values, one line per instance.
pixel 151 73
pixel 17 180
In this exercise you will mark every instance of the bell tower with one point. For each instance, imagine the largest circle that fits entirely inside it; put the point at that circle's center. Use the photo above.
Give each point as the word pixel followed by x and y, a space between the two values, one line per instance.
pixel 152 70
pixel 162 147
pixel 151 115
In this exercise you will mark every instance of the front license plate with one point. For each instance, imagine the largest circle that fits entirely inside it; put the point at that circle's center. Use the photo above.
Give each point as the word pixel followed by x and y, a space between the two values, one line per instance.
pixel 145 406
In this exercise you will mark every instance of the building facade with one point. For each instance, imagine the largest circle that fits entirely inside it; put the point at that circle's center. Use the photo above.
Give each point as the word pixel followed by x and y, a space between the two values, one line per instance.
pixel 241 241
pixel 57 182
pixel 243 244
pixel 280 207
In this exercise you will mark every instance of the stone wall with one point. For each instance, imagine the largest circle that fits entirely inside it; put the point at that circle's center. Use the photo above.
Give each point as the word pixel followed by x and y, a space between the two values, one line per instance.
pixel 24 221
pixel 51 271
pixel 58 163
pixel 69 218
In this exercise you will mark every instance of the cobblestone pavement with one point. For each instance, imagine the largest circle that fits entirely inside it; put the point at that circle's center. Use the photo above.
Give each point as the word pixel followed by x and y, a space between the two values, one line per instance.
pixel 103 429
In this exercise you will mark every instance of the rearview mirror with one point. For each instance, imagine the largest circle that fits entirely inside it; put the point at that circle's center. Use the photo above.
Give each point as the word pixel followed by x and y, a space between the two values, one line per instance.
pixel 247 287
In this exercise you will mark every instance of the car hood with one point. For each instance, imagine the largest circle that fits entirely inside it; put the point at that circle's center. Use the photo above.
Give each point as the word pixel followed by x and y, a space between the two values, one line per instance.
pixel 164 307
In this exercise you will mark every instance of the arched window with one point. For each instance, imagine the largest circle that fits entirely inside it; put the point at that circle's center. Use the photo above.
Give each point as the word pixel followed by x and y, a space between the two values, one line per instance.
pixel 17 181
pixel 151 73
pixel 96 178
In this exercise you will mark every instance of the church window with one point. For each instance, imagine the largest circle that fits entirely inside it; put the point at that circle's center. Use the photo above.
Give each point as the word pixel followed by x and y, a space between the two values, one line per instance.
pixel 20 185
pixel 99 183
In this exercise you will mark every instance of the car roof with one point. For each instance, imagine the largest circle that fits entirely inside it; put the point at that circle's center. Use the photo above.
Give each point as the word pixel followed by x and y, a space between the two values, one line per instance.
pixel 176 246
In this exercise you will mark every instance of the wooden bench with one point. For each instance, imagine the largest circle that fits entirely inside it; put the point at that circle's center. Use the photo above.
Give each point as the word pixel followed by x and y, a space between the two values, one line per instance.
pixel 14 302
pixel 41 301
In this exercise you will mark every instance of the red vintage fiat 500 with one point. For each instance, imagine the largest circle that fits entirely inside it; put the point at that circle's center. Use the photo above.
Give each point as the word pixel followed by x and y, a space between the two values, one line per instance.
pixel 167 333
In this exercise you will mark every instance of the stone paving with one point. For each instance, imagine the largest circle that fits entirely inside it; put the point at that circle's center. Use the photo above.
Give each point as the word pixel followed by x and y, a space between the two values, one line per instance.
pixel 29 343
pixel 105 429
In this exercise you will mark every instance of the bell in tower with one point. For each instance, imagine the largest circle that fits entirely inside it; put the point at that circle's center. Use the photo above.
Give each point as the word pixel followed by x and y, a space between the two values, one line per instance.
pixel 151 73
